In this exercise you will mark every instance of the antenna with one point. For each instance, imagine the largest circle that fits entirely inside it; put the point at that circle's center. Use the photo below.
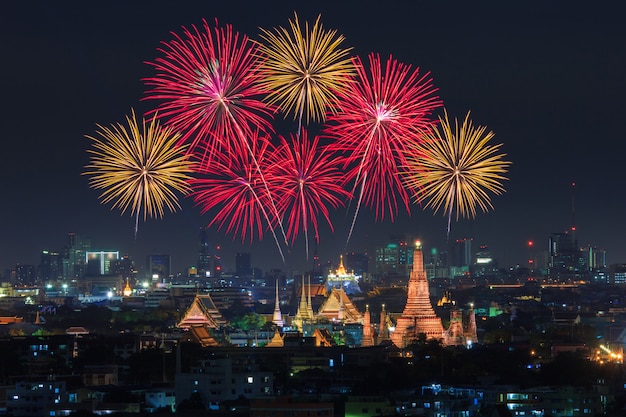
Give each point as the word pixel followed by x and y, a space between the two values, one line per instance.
pixel 573 213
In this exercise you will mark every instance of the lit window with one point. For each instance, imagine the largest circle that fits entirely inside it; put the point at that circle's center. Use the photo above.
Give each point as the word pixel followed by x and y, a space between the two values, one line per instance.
pixel 250 380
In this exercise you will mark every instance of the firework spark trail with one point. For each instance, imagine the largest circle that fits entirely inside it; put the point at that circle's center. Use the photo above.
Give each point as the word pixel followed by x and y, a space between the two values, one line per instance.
pixel 455 168
pixel 306 179
pixel 232 185
pixel 139 167
pixel 381 113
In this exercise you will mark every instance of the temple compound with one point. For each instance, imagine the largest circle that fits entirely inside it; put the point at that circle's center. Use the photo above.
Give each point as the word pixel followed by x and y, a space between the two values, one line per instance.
pixel 344 279
pixel 419 320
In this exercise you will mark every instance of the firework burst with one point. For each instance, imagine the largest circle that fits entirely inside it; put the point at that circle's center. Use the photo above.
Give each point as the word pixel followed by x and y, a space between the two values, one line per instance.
pixel 233 187
pixel 306 180
pixel 304 70
pixel 139 167
pixel 209 87
pixel 381 115
pixel 455 168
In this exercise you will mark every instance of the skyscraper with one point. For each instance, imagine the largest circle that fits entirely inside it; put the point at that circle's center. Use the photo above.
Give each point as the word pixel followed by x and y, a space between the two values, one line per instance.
pixel 74 264
pixel 462 253
pixel 394 259
pixel 158 268
pixel 205 258
pixel 50 266
pixel 243 264
pixel 100 262
pixel 564 256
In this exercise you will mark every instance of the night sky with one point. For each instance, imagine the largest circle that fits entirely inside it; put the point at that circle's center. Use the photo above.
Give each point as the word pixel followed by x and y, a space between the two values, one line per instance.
pixel 549 78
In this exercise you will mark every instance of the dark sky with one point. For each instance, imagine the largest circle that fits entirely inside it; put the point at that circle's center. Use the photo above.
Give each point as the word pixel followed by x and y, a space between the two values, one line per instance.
pixel 549 78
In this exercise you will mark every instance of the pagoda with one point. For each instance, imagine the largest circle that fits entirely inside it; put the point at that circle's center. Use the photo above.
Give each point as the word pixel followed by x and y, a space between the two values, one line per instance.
pixel 305 311
pixel 368 331
pixel 418 317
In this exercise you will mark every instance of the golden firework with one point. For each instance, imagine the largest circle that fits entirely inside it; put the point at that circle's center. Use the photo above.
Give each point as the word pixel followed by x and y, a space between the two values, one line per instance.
pixel 139 167
pixel 454 168
pixel 303 72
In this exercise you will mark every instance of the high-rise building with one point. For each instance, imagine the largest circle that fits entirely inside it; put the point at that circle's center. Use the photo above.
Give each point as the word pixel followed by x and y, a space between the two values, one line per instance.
pixel 243 264
pixel 564 257
pixel 158 268
pixel 596 258
pixel 100 262
pixel 394 259
pixel 74 262
pixel 50 266
pixel 205 257
pixel 617 274
pixel 462 253
pixel 125 267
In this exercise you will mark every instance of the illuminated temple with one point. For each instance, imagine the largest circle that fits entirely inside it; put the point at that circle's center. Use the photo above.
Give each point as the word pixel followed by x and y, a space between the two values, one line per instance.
pixel 341 278
pixel 418 316
pixel 419 319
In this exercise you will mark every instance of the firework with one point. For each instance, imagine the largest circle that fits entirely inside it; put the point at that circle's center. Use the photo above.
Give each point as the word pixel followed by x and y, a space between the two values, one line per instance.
pixel 307 182
pixel 381 115
pixel 455 168
pixel 208 84
pixel 304 70
pixel 139 167
pixel 232 186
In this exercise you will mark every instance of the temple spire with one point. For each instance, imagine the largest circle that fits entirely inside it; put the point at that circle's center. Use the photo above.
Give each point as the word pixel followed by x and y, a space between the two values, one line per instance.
pixel 418 317
pixel 277 318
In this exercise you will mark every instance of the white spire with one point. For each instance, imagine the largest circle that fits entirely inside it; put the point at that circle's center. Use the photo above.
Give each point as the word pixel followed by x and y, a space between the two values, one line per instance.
pixel 277 318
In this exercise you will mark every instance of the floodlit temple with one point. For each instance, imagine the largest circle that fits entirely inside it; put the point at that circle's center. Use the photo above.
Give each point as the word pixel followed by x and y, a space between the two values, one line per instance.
pixel 339 307
pixel 419 319
pixel 336 307
pixel 341 278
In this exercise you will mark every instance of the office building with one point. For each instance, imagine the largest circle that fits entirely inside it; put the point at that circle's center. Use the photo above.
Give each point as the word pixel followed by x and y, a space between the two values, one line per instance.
pixel 100 262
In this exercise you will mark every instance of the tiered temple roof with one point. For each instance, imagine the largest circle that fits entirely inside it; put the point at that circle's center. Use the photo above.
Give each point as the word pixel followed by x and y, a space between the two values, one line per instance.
pixel 202 311
pixel 339 307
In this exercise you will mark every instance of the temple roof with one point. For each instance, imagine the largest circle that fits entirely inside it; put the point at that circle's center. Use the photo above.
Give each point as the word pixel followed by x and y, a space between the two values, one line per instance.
pixel 338 306
pixel 202 311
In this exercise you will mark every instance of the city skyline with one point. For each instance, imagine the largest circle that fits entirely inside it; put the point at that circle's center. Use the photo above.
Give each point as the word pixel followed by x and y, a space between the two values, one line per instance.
pixel 547 79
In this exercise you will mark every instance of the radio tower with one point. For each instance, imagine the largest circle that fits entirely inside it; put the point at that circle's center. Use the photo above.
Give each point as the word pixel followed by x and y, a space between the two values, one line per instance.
pixel 573 215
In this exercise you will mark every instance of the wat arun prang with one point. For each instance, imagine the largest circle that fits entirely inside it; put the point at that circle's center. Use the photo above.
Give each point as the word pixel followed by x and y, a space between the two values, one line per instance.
pixel 419 319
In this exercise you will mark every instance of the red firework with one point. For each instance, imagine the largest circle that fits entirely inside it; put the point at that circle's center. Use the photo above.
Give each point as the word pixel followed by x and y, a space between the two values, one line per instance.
pixel 306 181
pixel 381 115
pixel 233 185
pixel 208 85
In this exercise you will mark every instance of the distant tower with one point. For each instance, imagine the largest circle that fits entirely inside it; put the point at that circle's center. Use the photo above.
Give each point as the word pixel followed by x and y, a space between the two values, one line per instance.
pixel 277 318
pixel 158 268
pixel 471 335
pixel 573 213
pixel 205 260
pixel 305 312
pixel 309 306
pixel 243 264
pixel 455 335
pixel 382 326
pixel 418 316
pixel 368 334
